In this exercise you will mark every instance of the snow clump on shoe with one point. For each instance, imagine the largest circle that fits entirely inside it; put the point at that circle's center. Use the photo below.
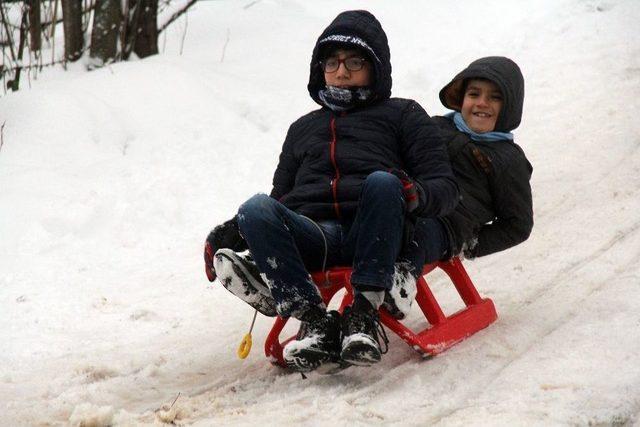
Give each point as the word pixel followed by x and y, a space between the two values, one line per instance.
pixel 362 332
pixel 317 342
pixel 398 299
pixel 239 274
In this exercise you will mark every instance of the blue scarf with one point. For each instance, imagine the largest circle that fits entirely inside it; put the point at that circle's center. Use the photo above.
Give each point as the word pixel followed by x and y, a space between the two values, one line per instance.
pixel 458 120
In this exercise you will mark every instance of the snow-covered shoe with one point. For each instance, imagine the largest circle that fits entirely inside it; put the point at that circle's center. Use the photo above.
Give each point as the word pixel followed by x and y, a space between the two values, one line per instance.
pixel 403 291
pixel 240 276
pixel 361 334
pixel 317 342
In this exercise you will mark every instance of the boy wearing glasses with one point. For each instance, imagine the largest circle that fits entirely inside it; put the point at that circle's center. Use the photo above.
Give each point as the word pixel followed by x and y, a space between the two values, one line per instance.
pixel 340 194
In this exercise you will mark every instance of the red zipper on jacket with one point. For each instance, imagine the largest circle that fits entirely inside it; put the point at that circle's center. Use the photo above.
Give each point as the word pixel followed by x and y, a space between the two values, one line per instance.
pixel 332 153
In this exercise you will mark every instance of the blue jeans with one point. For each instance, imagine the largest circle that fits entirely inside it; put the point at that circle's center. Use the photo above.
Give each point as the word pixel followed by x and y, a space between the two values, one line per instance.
pixel 286 245
pixel 430 244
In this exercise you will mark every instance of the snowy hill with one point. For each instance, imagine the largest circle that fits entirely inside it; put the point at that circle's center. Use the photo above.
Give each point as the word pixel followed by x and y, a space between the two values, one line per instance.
pixel 110 181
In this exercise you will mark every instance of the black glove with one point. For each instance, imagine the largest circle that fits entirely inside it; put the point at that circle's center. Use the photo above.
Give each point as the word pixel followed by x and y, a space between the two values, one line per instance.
pixel 226 235
pixel 469 249
pixel 413 193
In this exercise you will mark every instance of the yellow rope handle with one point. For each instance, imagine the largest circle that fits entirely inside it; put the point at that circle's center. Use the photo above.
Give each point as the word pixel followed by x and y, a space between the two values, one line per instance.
pixel 245 345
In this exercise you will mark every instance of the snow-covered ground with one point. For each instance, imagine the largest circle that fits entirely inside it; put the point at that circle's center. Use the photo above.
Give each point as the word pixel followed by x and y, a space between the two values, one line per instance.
pixel 110 181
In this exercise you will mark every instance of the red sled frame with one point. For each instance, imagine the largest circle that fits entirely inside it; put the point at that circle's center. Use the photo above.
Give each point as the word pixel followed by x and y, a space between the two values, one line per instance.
pixel 442 332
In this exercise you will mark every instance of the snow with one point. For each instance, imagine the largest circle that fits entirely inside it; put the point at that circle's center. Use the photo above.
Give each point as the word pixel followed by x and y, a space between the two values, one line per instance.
pixel 111 179
pixel 403 291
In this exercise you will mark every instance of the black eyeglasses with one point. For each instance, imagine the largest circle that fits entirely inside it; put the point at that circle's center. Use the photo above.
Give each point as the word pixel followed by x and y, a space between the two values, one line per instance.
pixel 353 63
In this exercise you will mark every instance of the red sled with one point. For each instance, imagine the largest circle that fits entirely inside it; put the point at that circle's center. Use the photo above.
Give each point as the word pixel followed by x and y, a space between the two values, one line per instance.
pixel 442 332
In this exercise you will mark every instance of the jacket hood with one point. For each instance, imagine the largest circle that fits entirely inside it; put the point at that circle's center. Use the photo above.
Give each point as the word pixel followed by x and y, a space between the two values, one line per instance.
pixel 505 74
pixel 356 29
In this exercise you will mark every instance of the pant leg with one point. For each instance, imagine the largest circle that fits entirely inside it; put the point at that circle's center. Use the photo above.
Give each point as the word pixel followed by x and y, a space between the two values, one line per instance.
pixel 430 244
pixel 284 245
pixel 375 238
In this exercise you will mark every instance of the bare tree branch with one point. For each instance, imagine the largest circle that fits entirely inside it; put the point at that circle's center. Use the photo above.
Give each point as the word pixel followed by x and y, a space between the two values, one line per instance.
pixel 139 32
pixel 224 48
pixel 40 66
pixel 85 12
pixel 2 134
pixel 184 33
pixel 53 31
pixel 15 83
pixel 176 15
pixel 8 31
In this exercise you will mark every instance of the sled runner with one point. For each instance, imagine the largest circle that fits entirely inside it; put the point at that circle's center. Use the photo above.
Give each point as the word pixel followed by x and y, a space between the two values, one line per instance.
pixel 442 332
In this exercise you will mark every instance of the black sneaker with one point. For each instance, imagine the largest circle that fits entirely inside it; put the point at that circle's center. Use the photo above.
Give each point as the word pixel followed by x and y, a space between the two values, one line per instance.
pixel 361 334
pixel 240 276
pixel 400 297
pixel 317 342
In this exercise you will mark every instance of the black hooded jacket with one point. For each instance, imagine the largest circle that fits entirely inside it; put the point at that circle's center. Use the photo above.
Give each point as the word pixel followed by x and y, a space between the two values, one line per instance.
pixel 327 156
pixel 495 211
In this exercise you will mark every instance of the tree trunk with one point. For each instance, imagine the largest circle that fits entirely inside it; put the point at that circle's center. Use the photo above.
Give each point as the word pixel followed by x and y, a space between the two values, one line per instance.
pixel 146 40
pixel 73 37
pixel 15 83
pixel 141 35
pixel 104 36
pixel 35 25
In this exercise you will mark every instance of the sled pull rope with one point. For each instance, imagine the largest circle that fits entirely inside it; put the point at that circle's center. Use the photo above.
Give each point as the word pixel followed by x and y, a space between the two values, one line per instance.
pixel 245 345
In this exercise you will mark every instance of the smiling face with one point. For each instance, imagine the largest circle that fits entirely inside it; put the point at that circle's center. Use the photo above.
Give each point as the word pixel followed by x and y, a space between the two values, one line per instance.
pixel 343 77
pixel 481 105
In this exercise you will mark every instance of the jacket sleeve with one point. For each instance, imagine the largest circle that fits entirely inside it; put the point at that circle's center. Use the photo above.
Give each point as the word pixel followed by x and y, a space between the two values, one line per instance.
pixel 285 174
pixel 426 160
pixel 513 207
